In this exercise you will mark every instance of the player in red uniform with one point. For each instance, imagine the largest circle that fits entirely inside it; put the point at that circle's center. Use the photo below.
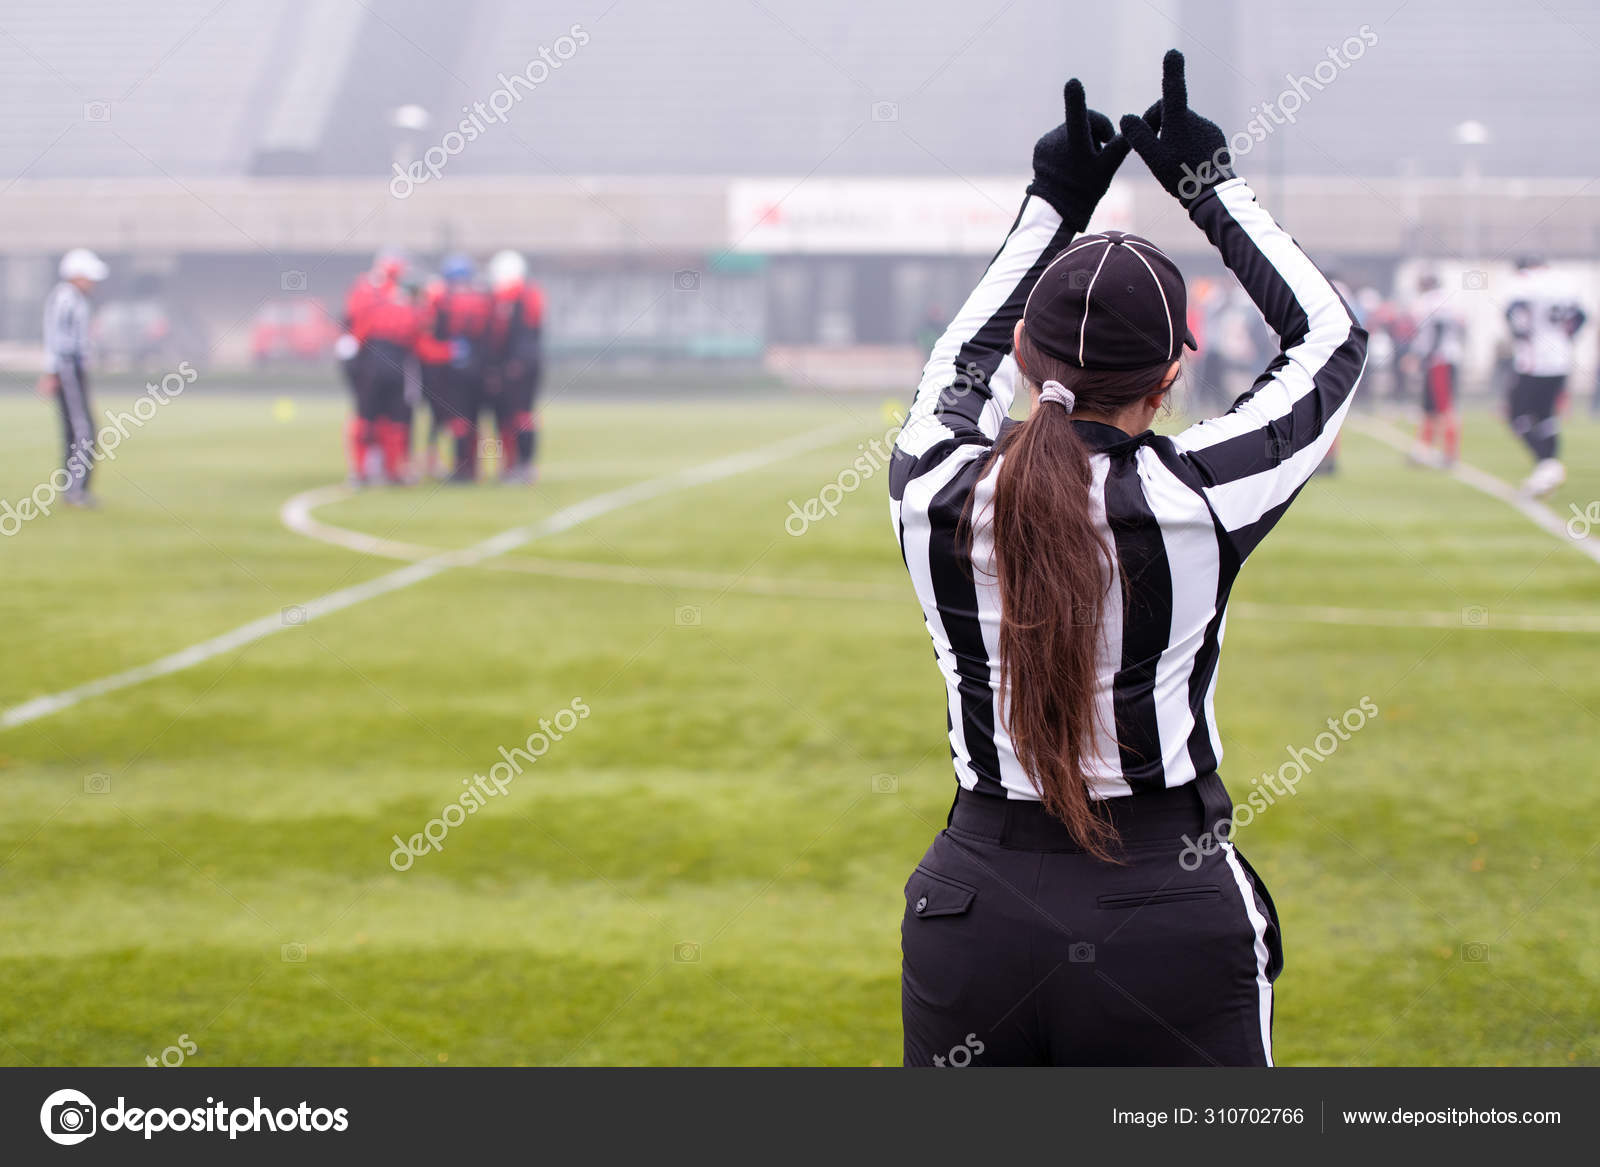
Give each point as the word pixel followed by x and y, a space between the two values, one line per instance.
pixel 451 348
pixel 383 318
pixel 1440 346
pixel 515 363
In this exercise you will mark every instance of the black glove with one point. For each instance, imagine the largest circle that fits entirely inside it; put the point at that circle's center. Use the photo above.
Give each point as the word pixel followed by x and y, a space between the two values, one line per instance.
pixel 1073 163
pixel 1187 154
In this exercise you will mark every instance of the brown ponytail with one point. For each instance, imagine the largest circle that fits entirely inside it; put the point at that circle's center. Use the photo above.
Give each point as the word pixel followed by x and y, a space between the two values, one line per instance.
pixel 1054 566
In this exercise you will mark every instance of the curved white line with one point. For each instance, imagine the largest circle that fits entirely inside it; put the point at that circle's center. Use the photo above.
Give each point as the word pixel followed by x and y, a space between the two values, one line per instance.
pixel 296 515
pixel 414 573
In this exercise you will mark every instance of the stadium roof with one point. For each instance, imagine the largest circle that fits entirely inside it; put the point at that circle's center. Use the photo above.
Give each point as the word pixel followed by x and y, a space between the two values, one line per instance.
pixel 184 88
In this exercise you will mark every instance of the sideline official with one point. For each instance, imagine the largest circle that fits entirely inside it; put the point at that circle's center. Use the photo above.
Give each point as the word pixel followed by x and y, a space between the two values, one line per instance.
pixel 67 312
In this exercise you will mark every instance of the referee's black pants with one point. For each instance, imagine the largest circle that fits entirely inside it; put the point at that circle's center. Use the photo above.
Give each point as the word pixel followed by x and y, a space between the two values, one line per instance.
pixel 77 424
pixel 1020 949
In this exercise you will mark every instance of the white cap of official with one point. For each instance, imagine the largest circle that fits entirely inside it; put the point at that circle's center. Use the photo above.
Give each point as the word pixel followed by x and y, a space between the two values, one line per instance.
pixel 82 264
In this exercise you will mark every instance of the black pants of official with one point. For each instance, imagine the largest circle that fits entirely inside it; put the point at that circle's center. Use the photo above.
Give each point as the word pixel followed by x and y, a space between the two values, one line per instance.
pixel 1532 408
pixel 1021 950
pixel 77 425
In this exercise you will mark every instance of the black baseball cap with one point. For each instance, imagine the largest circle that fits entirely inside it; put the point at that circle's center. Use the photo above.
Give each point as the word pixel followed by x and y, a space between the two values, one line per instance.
pixel 1110 301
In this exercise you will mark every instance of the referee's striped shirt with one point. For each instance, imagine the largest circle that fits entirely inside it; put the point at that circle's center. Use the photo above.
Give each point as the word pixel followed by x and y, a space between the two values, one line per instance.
pixel 66 327
pixel 1182 512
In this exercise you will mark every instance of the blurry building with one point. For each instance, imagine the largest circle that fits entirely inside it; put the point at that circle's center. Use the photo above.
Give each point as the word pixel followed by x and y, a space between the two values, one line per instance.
pixel 707 182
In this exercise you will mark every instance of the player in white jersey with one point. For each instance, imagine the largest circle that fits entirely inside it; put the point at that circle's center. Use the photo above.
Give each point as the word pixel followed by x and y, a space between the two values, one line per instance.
pixel 1544 317
pixel 1438 349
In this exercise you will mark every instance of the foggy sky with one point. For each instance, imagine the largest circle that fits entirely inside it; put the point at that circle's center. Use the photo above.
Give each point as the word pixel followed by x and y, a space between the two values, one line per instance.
pixel 121 88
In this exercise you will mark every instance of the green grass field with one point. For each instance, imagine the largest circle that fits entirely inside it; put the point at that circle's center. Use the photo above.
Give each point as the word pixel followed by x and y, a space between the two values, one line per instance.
pixel 719 803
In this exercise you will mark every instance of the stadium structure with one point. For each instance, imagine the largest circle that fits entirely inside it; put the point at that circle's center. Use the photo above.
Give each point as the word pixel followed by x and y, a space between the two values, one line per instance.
pixel 805 198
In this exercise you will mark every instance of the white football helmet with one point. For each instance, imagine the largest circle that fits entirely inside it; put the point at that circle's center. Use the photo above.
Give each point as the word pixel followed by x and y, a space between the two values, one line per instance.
pixel 507 268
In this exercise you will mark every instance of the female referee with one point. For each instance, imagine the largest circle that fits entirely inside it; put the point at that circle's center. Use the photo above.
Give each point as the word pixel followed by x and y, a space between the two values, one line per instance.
pixel 1085 905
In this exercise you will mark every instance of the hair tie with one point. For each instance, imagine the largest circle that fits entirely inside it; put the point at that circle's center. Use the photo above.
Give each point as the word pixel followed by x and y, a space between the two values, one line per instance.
pixel 1059 393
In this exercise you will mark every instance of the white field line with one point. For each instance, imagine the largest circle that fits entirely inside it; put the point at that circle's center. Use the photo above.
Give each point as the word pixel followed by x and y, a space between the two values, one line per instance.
pixel 434 564
pixel 296 515
pixel 1536 512
pixel 1395 618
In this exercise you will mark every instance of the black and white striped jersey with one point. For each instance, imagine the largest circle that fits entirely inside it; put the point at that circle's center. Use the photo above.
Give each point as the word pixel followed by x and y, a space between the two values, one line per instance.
pixel 66 326
pixel 1182 512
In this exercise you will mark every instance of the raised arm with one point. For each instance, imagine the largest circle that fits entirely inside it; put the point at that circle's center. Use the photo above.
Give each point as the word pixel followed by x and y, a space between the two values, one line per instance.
pixel 968 382
pixel 1254 459
pixel 1260 453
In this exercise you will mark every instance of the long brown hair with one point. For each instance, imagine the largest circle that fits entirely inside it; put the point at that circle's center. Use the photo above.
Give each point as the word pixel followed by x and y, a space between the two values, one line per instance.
pixel 1054 565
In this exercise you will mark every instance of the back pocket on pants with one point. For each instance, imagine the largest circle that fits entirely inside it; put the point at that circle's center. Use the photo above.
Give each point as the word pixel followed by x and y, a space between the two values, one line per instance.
pixel 1166 895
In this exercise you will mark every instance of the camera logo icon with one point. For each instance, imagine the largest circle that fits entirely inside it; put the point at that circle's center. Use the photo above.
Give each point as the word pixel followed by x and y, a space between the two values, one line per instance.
pixel 97 783
pixel 1475 617
pixel 1474 280
pixel 1081 953
pixel 885 784
pixel 293 953
pixel 97 111
pixel 885 111
pixel 686 953
pixel 1475 952
pixel 292 281
pixel 686 280
pixel 687 616
pixel 294 616
pixel 68 1117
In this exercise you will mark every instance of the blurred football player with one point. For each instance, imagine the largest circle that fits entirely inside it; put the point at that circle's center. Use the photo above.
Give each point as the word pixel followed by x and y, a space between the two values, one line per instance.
pixel 1544 318
pixel 451 347
pixel 382 317
pixel 515 363
pixel 1438 349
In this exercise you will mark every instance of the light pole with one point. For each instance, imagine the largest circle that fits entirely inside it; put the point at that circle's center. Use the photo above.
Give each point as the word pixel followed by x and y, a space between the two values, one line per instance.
pixel 408 122
pixel 1470 136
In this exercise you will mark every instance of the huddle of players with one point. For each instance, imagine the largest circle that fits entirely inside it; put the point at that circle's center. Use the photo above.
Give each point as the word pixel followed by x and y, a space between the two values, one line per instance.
pixel 1544 319
pixel 469 347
